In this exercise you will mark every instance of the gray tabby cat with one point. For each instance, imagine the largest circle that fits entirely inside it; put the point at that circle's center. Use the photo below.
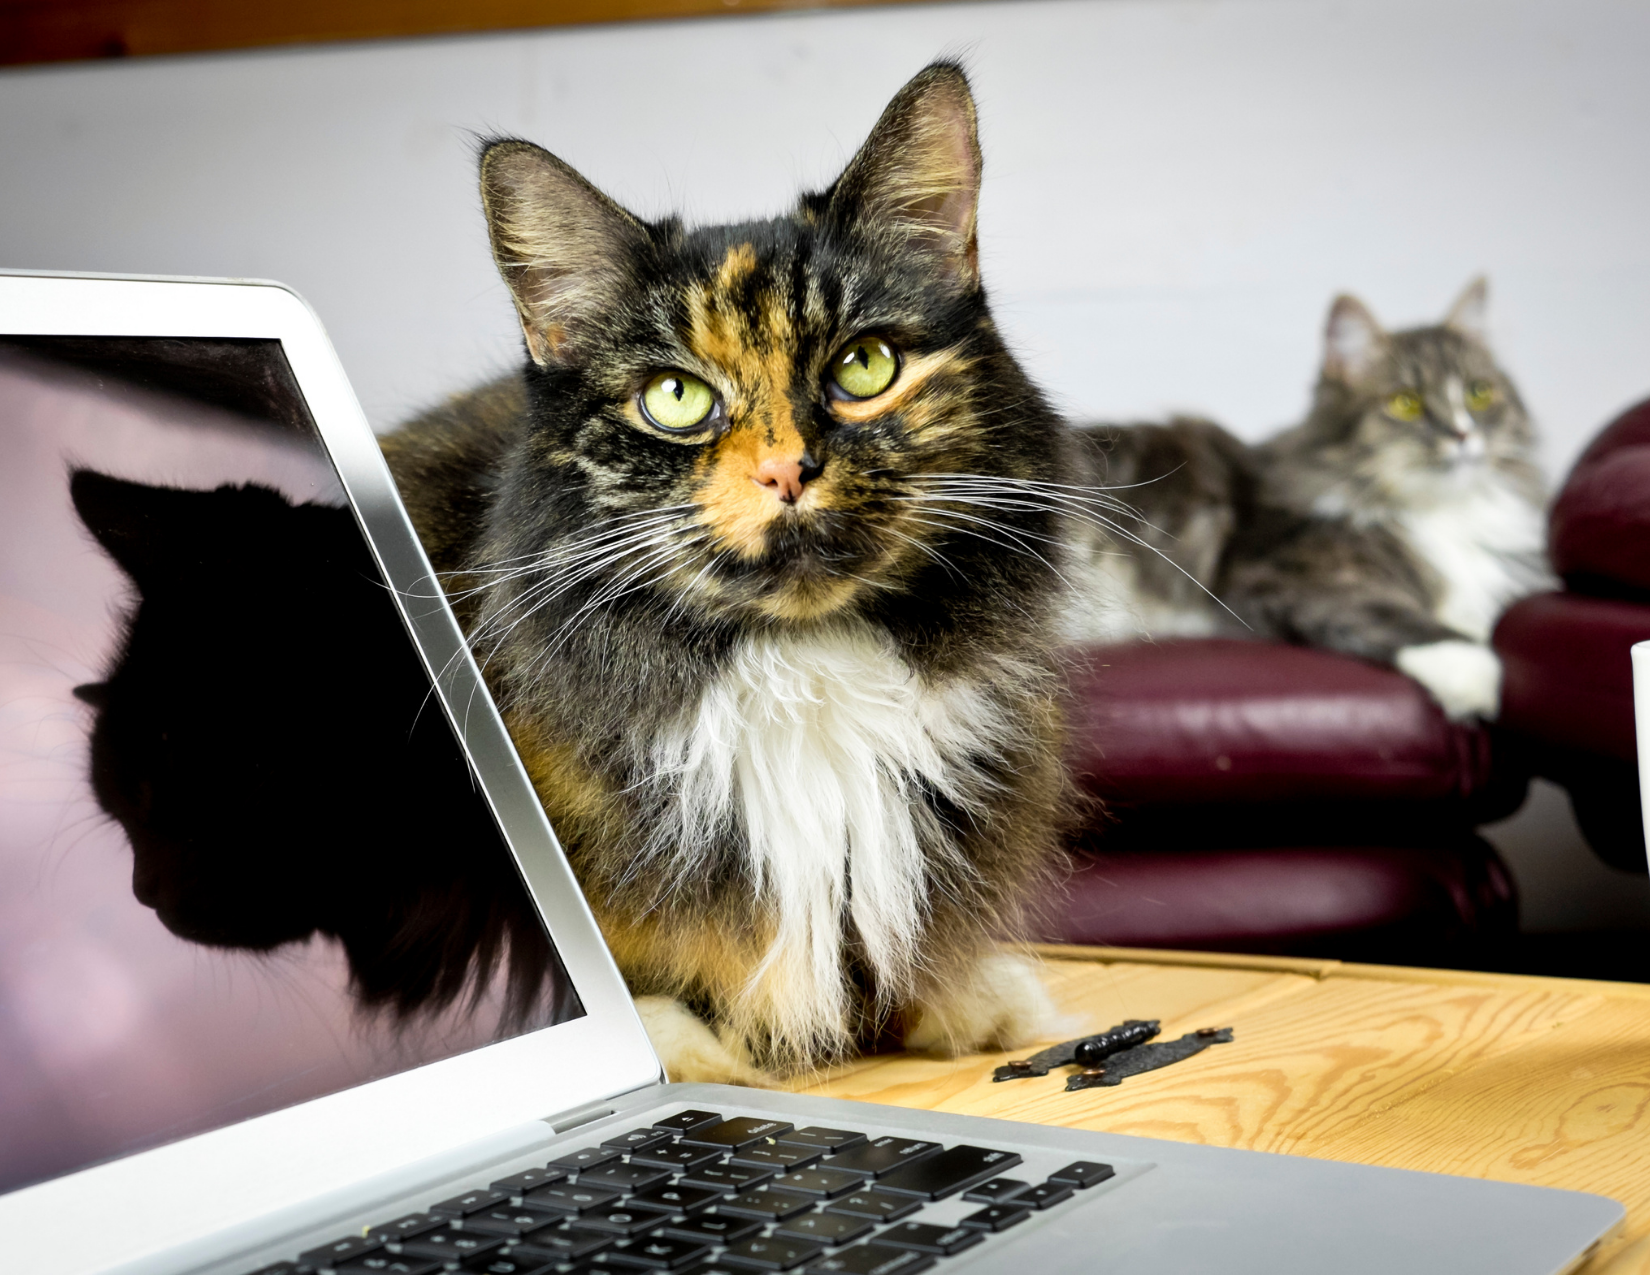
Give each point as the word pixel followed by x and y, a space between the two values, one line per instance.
pixel 1395 523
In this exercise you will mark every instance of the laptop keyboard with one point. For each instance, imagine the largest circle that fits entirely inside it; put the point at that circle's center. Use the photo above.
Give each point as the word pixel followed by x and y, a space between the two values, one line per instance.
pixel 701 1195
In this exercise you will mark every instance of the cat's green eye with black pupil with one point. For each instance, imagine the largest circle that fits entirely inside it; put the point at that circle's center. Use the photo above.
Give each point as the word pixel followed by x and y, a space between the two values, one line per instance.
pixel 1480 394
pixel 1405 406
pixel 678 403
pixel 864 367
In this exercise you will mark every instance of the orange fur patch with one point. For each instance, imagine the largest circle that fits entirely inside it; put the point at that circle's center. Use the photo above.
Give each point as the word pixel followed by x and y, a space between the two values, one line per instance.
pixel 757 366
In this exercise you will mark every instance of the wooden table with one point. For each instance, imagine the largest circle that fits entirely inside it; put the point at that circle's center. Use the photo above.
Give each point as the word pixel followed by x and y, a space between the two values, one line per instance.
pixel 1539 1080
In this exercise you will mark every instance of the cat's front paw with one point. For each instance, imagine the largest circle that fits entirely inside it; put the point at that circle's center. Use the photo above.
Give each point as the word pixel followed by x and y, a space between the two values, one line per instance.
pixel 1001 1005
pixel 1464 677
pixel 690 1051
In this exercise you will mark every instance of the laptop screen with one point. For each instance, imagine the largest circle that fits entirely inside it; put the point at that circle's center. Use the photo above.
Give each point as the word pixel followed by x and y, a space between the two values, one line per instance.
pixel 243 859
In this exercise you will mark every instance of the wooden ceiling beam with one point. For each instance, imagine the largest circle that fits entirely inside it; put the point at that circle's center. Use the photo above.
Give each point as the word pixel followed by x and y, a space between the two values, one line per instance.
pixel 35 31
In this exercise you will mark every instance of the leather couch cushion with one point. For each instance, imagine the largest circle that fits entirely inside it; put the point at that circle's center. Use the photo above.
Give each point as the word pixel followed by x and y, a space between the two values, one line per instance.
pixel 1568 676
pixel 1404 903
pixel 1215 720
pixel 1599 530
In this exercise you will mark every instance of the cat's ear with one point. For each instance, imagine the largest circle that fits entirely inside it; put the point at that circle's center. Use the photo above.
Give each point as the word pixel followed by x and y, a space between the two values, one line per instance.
pixel 128 519
pixel 918 174
pixel 564 248
pixel 1469 314
pixel 1352 340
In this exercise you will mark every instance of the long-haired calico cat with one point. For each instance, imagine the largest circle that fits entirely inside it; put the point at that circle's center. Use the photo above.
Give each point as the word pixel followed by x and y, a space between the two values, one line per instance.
pixel 779 668
pixel 1403 515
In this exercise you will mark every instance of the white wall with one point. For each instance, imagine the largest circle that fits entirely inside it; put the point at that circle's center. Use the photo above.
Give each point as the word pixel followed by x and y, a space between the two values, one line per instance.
pixel 1174 190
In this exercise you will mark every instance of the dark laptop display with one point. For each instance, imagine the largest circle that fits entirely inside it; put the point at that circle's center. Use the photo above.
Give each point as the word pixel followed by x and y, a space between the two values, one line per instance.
pixel 243 861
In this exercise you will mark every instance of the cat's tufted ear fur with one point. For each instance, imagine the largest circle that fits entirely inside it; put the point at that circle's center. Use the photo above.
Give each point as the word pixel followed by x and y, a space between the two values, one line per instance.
pixel 1352 340
pixel 918 174
pixel 564 248
pixel 1469 314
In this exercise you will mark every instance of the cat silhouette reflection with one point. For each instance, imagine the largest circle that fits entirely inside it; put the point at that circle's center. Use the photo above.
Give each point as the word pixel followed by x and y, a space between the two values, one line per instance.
pixel 267 739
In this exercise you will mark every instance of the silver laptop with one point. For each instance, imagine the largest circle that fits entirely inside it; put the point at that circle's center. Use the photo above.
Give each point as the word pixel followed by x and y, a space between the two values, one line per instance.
pixel 294 977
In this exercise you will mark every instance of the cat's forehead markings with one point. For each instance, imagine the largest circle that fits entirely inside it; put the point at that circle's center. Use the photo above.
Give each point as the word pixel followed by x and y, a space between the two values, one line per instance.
pixel 737 266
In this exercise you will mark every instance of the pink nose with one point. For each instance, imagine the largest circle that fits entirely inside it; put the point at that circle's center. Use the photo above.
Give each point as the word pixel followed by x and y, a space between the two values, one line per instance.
pixel 782 477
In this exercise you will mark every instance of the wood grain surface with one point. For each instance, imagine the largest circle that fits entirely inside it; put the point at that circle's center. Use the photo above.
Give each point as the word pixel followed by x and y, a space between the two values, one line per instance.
pixel 1536 1080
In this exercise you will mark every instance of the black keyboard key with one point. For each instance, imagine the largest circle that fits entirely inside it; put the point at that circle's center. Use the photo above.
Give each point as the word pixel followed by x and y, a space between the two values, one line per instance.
pixel 727 1177
pixel 513 1262
pixel 638 1140
pixel 712 1228
pixel 658 1253
pixel 570 1199
pixel 589 1158
pixel 470 1202
pixel 624 1177
pixel 1083 1174
pixel 827 1228
pixel 342 1250
pixel 452 1246
pixel 926 1238
pixel 677 1157
pixel 389 1264
pixel 412 1224
pixel 279 1268
pixel 879 1156
pixel 772 1254
pixel 776 1156
pixel 509 1221
pixel 874 1205
pixel 823 1139
pixel 769 1206
pixel 997 1190
pixel 1046 1196
pixel 527 1180
pixel 562 1243
pixel 955 1169
pixel 742 1131
pixel 821 1182
pixel 619 1220
pixel 675 1199
pixel 997 1217
pixel 688 1121
pixel 873 1259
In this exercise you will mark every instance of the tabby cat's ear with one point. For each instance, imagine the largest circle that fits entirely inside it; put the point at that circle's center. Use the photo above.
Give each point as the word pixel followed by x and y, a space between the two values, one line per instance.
pixel 1469 313
pixel 918 174
pixel 564 248
pixel 1352 340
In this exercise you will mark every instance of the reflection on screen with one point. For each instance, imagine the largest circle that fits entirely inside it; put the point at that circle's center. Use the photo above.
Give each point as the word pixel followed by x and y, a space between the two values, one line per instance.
pixel 242 859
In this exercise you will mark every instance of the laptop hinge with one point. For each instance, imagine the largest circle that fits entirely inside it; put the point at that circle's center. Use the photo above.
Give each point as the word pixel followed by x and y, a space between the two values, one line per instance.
pixel 561 1124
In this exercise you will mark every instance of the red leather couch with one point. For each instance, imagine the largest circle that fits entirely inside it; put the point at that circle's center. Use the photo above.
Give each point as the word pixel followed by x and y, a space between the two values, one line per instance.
pixel 1265 798
pixel 1567 696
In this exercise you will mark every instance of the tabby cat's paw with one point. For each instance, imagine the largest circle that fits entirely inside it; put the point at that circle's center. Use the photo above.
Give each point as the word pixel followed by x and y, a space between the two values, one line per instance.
pixel 1002 1005
pixel 1464 677
pixel 691 1051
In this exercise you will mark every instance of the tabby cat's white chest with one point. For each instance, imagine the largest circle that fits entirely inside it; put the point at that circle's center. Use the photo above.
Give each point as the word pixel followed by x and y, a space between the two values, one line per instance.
pixel 817 748
pixel 1487 544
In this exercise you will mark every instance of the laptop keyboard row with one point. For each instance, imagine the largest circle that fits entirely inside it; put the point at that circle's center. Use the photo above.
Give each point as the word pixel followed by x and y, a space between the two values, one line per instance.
pixel 697 1194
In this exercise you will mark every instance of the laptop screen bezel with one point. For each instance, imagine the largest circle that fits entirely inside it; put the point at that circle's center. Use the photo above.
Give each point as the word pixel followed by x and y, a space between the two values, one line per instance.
pixel 183 1193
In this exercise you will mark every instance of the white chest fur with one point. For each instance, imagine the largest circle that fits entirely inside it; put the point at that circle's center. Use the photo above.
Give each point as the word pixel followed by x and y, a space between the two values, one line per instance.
pixel 1486 542
pixel 814 747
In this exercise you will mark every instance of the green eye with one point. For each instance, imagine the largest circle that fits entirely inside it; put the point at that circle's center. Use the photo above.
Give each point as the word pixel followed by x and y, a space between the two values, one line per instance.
pixel 1405 406
pixel 1480 395
pixel 864 367
pixel 677 402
